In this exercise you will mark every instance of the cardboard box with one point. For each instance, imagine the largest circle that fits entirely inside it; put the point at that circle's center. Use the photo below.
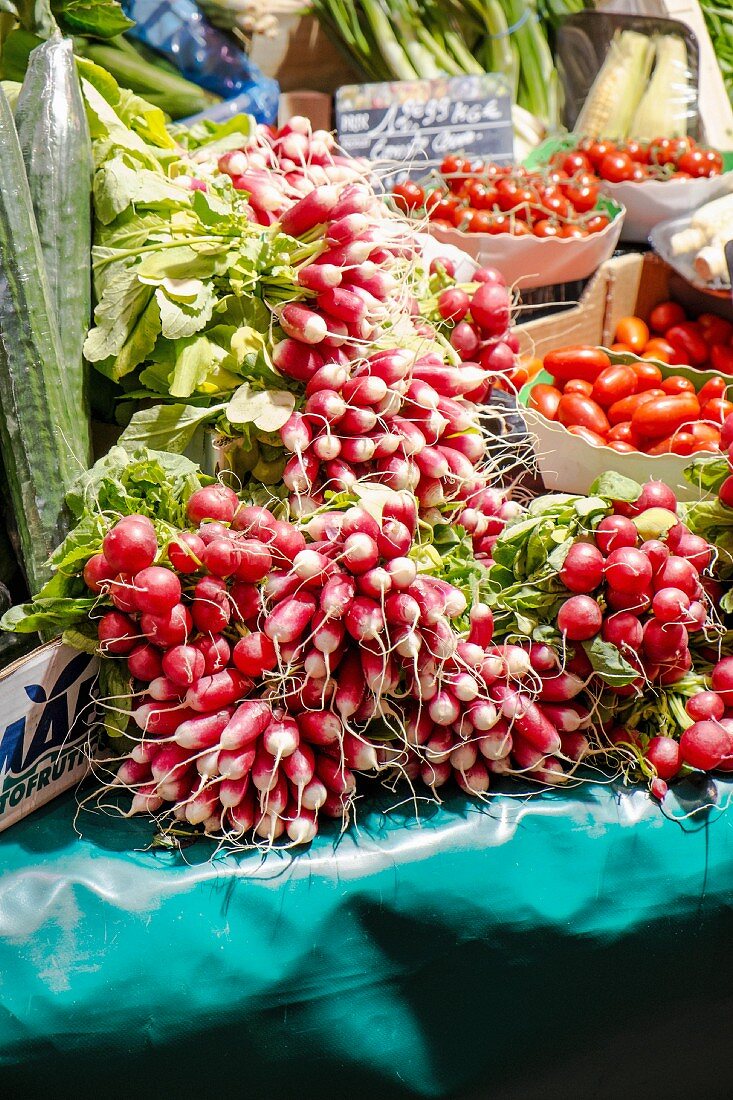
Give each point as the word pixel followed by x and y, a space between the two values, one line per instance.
pixel 622 287
pixel 47 709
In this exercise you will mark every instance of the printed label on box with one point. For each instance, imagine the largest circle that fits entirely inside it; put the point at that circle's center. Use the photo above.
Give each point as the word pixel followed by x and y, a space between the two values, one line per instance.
pixel 416 123
pixel 46 713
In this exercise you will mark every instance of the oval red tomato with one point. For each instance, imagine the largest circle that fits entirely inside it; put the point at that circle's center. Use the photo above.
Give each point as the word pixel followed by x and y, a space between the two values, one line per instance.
pixel 545 399
pixel 665 315
pixel 576 361
pixel 578 385
pixel 657 419
pixel 648 376
pixel 614 384
pixel 625 409
pixel 587 434
pixel 688 343
pixel 721 358
pixel 579 411
pixel 714 387
pixel 675 383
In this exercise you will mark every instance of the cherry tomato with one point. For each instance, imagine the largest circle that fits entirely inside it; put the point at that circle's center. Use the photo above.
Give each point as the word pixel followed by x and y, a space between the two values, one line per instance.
pixel 639 173
pixel 577 361
pixel 675 383
pixel 443 211
pixel 575 162
pixel 714 387
pixel 616 167
pixel 657 419
pixel 714 162
pixel 571 232
pixel 694 163
pixel 581 196
pixel 721 358
pixel 520 228
pixel 637 151
pixel 632 331
pixel 648 376
pixel 716 330
pixel 478 221
pixel 624 348
pixel 578 385
pixel 545 400
pixel 452 164
pixel 433 198
pixel 665 315
pixel 557 205
pixel 706 433
pixel 624 410
pixel 545 228
pixel 613 384
pixel 500 223
pixel 718 409
pixel 587 434
pixel 681 443
pixel 621 446
pixel 688 343
pixel 598 150
pixel 658 348
pixel 597 223
pixel 506 194
pixel 621 433
pixel 408 195
pixel 575 409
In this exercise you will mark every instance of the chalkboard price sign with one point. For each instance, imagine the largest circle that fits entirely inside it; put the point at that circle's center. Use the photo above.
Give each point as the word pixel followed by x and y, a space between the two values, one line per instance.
pixel 410 125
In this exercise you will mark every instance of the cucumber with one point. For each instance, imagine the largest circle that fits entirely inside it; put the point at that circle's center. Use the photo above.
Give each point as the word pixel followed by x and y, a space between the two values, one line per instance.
pixel 35 437
pixel 57 150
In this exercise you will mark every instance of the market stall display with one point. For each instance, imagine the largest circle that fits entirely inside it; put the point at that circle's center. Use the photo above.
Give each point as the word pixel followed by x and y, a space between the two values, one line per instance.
pixel 372 605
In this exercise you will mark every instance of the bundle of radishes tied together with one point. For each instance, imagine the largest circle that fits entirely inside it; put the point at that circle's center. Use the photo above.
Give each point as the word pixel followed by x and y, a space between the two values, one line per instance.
pixel 272 664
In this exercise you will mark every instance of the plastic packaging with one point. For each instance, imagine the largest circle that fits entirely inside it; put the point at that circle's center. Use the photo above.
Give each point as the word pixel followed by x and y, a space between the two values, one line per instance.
pixel 701 260
pixel 178 30
pixel 628 76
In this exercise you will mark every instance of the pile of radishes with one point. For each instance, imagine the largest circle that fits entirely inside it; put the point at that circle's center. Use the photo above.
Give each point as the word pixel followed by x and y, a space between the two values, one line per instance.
pixel 475 317
pixel 262 660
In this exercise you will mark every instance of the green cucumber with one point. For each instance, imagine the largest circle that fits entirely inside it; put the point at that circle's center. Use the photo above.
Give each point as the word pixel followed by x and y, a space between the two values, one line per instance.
pixel 54 139
pixel 35 438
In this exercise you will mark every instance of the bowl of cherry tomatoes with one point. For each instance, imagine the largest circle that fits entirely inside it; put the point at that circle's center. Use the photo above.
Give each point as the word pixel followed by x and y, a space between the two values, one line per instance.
pixel 654 180
pixel 537 229
pixel 591 409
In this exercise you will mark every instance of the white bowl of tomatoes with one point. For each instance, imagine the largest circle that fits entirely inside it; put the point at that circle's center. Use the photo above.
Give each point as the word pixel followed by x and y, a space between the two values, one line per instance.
pixel 654 181
pixel 535 231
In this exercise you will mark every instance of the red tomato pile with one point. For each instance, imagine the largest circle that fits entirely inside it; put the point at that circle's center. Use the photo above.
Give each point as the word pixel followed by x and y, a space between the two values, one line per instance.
pixel 637 161
pixel 630 406
pixel 671 338
pixel 491 198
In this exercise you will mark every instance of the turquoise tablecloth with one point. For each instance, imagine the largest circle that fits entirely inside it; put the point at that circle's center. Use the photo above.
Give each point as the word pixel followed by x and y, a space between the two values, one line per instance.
pixel 573 945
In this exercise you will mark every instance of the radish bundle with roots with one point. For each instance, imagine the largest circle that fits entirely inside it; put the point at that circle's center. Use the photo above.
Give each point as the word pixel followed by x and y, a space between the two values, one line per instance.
pixel 287 660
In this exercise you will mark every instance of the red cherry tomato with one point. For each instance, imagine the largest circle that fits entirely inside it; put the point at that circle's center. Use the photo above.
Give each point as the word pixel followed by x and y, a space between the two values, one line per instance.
pixel 677 384
pixel 648 376
pixel 721 358
pixel 681 443
pixel 597 223
pixel 583 197
pixel 705 433
pixel 665 315
pixel 694 163
pixel 718 409
pixel 714 387
pixel 587 434
pixel 578 385
pixel 614 384
pixel 575 162
pixel 478 221
pixel 408 195
pixel 573 232
pixel 598 150
pixel 576 410
pixel 616 167
pixel 545 228
pixel 688 343
pixel 716 330
pixel 621 433
pixel 576 361
pixel 621 446
pixel 545 399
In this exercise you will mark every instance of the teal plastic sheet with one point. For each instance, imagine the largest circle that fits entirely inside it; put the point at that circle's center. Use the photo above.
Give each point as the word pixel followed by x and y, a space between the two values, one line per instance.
pixel 575 944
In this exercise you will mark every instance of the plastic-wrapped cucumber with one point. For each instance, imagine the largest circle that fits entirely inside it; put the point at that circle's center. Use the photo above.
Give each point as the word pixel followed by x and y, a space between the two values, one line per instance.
pixel 54 138
pixel 35 434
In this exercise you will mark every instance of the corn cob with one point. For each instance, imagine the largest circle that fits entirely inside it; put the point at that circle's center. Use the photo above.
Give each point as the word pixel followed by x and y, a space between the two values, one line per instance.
pixel 614 97
pixel 665 104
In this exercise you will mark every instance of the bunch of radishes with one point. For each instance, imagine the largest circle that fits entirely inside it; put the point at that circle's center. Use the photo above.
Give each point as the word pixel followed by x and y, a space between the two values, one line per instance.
pixel 276 168
pixel 261 662
pixel 643 595
pixel 476 317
